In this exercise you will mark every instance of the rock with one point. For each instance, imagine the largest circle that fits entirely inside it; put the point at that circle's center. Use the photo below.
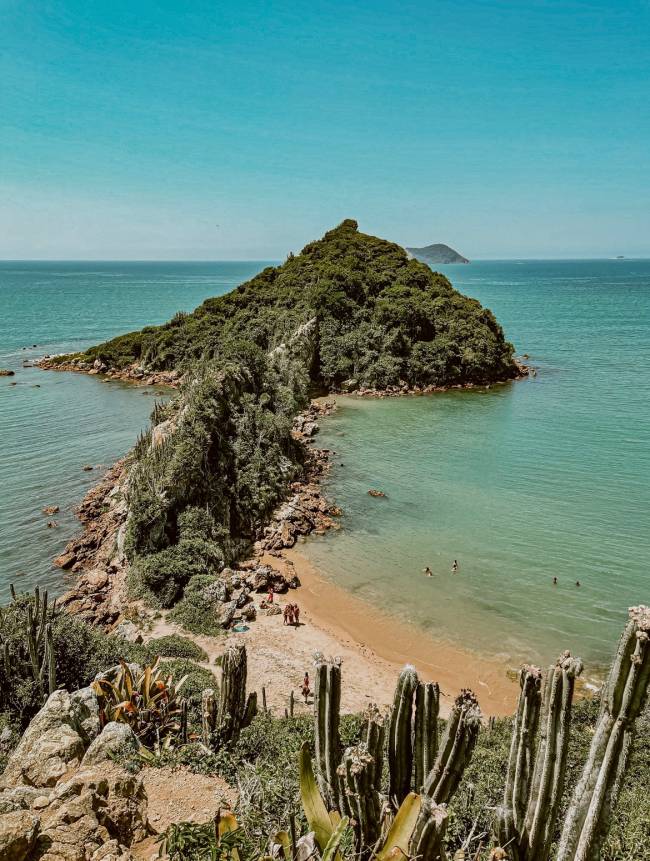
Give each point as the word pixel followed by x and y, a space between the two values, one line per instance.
pixel 310 428
pixel 249 613
pixel 85 709
pixel 65 560
pixel 377 493
pixel 261 578
pixel 51 509
pixel 288 534
pixel 18 831
pixel 294 583
pixel 113 738
pixel 273 610
pixel 349 385
pixel 128 631
pixel 5 372
pixel 50 745
pixel 242 599
pixel 227 614
pixel 216 593
pixel 87 468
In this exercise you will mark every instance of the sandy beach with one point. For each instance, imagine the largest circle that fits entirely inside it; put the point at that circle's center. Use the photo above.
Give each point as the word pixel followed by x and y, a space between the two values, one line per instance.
pixel 373 648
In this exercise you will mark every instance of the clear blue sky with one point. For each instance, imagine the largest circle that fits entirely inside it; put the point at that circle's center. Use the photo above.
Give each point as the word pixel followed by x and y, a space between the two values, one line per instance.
pixel 219 129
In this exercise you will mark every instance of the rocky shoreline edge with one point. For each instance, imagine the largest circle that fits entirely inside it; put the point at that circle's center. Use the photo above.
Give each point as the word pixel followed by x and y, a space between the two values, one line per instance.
pixel 99 593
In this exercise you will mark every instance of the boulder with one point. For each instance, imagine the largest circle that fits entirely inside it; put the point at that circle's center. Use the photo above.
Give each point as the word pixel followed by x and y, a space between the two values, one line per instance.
pixel 18 831
pixel 273 609
pixel 50 745
pixel 349 385
pixel 65 560
pixel 216 593
pixel 115 737
pixel 227 614
pixel 51 509
pixel 85 709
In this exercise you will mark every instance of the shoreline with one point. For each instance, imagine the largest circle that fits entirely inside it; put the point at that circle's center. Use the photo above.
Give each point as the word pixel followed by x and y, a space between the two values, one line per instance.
pixel 373 644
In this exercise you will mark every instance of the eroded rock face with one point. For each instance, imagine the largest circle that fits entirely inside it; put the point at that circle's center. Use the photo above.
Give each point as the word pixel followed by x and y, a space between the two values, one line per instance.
pixel 18 830
pixel 62 798
pixel 50 745
pixel 115 738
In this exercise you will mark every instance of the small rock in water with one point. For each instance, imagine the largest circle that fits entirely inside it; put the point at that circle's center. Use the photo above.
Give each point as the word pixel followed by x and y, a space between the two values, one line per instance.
pixel 52 524
pixel 376 493
pixel 51 509
pixel 87 468
pixel 5 372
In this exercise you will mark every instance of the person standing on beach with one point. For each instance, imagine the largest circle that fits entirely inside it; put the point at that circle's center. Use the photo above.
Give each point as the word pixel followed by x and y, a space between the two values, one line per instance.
pixel 305 687
pixel 454 567
pixel 296 615
pixel 269 598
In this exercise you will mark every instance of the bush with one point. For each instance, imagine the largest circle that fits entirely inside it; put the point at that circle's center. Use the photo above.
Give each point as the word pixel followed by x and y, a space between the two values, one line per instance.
pixel 174 646
pixel 196 614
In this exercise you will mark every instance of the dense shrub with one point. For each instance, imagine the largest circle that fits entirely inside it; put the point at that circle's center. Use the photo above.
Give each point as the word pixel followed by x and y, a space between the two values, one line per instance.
pixel 174 646
pixel 194 612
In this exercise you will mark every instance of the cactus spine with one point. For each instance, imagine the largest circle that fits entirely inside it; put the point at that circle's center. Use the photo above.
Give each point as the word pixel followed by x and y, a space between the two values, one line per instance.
pixel 623 697
pixel 400 746
pixel 327 704
pixel 425 733
pixel 456 748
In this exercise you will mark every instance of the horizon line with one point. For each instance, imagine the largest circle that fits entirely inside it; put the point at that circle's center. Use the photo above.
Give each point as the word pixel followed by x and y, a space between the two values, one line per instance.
pixel 275 260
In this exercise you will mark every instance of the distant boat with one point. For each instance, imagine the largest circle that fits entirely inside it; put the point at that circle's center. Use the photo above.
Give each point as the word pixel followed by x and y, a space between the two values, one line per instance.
pixel 620 257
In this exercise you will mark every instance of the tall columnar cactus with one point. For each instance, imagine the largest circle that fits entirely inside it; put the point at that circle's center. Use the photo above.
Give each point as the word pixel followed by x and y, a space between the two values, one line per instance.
pixel 427 842
pixel 358 796
pixel 510 816
pixel 400 742
pixel 374 737
pixel 226 712
pixel 327 705
pixel 38 657
pixel 529 834
pixel 589 815
pixel 425 731
pixel 456 748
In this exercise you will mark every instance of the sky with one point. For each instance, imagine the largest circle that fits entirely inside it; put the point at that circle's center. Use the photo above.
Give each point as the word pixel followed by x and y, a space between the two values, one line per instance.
pixel 243 130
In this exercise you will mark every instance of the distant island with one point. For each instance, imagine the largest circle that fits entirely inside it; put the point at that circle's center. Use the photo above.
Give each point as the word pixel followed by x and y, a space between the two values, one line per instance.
pixel 437 253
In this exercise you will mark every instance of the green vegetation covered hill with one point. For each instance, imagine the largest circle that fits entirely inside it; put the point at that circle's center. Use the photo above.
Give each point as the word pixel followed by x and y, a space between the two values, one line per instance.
pixel 381 316
pixel 437 253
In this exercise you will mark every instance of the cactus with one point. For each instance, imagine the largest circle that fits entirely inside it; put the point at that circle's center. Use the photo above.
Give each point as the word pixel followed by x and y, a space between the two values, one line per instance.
pixel 327 704
pixel 510 816
pixel 400 745
pixel 427 842
pixel 529 835
pixel 225 713
pixel 456 748
pixel 374 737
pixel 425 732
pixel 358 796
pixel 589 815
pixel 38 658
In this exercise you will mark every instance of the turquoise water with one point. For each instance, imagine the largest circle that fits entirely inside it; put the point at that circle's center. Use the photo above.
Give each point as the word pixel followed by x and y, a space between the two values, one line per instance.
pixel 541 478
pixel 49 433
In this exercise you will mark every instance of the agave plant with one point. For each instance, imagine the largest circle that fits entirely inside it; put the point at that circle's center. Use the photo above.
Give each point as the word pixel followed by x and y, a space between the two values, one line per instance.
pixel 149 704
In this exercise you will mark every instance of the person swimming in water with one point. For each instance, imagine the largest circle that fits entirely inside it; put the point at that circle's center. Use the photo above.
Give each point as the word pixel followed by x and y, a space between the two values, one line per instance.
pixel 454 567
pixel 555 581
pixel 428 572
pixel 577 582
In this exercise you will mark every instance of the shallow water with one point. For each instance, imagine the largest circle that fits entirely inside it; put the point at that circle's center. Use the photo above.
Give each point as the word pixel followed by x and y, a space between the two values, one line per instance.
pixel 53 423
pixel 523 482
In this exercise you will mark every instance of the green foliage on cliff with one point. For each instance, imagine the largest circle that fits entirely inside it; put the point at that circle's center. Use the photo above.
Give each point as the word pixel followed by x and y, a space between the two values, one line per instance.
pixel 382 318
pixel 219 459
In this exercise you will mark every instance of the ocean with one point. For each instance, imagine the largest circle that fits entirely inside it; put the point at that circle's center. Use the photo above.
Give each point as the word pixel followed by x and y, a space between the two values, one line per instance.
pixel 542 478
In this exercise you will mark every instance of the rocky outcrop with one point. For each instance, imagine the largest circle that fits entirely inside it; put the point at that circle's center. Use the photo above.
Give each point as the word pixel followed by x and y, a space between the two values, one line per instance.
pixel 134 373
pixel 62 797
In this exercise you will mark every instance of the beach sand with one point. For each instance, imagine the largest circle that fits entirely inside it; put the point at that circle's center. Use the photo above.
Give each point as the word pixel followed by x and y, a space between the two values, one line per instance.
pixel 373 648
